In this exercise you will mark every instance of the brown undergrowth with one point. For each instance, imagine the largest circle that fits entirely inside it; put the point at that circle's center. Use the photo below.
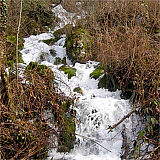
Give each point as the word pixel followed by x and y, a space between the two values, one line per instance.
pixel 25 132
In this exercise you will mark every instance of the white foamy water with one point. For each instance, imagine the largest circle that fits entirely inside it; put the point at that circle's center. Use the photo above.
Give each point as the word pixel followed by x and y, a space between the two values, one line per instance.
pixel 96 109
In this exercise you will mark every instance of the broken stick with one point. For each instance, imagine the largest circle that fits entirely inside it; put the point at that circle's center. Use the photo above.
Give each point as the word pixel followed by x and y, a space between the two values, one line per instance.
pixel 127 116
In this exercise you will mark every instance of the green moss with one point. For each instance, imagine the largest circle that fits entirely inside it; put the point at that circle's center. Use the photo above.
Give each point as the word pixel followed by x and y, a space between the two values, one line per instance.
pixel 20 60
pixel 11 57
pixel 78 90
pixel 10 63
pixel 40 69
pixel 97 72
pixel 68 70
pixel 40 14
pixel 67 138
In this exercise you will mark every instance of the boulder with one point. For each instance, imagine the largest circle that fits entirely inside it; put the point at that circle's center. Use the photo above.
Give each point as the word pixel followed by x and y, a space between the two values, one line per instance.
pixel 78 45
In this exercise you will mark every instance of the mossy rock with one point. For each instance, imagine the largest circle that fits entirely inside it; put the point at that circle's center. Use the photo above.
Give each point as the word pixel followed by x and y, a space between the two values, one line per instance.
pixel 68 70
pixel 64 61
pixel 12 59
pixel 67 138
pixel 58 33
pixel 10 63
pixel 97 72
pixel 50 41
pixel 78 90
pixel 58 61
pixel 41 14
pixel 20 60
pixel 40 69
pixel 78 45
pixel 42 57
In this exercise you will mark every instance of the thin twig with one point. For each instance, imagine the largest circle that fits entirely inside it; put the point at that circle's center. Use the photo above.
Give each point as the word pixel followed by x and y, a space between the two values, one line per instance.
pixel 115 125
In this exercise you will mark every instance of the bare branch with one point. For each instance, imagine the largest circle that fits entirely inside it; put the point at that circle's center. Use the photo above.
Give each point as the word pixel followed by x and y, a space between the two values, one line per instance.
pixel 127 116
pixel 19 24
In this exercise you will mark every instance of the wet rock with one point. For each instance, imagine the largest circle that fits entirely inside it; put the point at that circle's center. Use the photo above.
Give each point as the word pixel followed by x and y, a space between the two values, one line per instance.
pixel 109 82
pixel 64 61
pixel 57 61
pixel 78 90
pixel 52 52
pixel 125 144
pixel 50 41
pixel 67 137
pixel 42 57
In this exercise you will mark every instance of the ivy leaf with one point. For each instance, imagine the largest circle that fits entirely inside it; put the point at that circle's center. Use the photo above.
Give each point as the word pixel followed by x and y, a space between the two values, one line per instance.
pixel 155 102
pixel 141 134
pixel 153 120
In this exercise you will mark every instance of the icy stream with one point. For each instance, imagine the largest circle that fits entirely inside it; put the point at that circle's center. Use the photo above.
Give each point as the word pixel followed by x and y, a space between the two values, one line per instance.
pixel 96 109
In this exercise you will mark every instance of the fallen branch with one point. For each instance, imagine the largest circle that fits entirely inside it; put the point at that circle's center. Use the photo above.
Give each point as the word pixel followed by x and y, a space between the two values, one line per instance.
pixel 125 117
pixel 93 141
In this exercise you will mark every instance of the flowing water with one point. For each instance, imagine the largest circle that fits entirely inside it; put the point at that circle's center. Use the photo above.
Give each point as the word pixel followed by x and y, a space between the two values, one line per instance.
pixel 96 109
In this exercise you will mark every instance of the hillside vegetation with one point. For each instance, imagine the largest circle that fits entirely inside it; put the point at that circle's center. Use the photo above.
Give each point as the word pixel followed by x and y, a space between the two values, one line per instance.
pixel 123 35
